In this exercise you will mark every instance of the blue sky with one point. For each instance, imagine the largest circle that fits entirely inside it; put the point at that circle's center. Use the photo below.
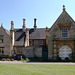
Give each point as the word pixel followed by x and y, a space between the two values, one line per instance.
pixel 46 12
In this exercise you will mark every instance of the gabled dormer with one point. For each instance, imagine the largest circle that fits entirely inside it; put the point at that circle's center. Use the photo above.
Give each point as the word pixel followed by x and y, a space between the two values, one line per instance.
pixel 64 24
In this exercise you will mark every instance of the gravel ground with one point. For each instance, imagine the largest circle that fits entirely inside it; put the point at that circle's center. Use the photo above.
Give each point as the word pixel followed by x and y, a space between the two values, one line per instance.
pixel 51 63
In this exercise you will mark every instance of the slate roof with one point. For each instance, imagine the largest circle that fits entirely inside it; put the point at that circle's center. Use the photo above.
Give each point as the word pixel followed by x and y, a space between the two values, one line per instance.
pixel 20 35
pixel 39 33
pixel 7 32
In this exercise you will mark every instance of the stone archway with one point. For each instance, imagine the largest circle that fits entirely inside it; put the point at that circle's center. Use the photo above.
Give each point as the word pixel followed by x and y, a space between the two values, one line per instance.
pixel 64 52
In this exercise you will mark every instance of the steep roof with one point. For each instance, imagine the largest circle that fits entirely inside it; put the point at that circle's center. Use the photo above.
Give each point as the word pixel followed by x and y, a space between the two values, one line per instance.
pixel 64 18
pixel 20 35
pixel 7 32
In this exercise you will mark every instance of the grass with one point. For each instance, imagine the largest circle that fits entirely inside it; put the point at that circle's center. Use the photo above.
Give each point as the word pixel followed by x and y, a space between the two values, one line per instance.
pixel 28 69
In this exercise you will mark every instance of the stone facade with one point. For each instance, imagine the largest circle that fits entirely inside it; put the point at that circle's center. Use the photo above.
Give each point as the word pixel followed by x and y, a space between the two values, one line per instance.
pixel 55 40
pixel 32 51
pixel 41 42
pixel 4 42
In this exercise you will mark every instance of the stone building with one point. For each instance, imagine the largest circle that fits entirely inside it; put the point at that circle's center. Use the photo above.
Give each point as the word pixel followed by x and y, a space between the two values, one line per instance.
pixel 47 43
pixel 61 37
pixel 5 45
pixel 27 41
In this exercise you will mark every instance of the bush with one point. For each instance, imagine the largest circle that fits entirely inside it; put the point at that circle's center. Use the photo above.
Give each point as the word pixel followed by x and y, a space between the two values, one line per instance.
pixel 35 59
pixel 27 59
pixel 8 59
pixel 3 59
pixel 24 57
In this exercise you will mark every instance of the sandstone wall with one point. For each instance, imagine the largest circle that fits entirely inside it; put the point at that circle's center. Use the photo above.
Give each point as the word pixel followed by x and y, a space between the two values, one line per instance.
pixel 32 51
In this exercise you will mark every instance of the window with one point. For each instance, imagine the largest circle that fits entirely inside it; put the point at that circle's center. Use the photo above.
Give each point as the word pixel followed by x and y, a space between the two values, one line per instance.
pixel 41 43
pixel 35 42
pixel 18 50
pixel 64 32
pixel 1 38
pixel 1 51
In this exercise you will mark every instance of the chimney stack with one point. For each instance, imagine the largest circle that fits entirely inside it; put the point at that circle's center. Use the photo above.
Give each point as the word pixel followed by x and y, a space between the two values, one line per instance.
pixel 35 24
pixel 27 37
pixel 12 38
pixel 12 27
pixel 24 24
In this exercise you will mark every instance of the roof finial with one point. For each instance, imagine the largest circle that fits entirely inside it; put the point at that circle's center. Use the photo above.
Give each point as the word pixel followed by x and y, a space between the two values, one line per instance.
pixel 63 7
pixel 2 25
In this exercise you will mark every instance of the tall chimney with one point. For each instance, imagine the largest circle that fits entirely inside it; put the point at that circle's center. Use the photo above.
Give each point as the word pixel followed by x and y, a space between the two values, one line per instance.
pixel 35 24
pixel 24 24
pixel 27 37
pixel 12 38
pixel 12 27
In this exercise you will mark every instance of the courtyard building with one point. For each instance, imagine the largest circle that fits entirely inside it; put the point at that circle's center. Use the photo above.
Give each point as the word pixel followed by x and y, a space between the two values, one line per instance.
pixel 46 43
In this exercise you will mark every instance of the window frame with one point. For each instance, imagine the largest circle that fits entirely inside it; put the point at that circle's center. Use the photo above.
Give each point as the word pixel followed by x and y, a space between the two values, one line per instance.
pixel 1 51
pixel 64 32
pixel 1 39
pixel 18 51
pixel 35 42
pixel 40 42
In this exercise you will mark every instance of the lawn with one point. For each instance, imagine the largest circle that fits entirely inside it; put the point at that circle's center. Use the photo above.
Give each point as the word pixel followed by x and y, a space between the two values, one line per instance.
pixel 40 69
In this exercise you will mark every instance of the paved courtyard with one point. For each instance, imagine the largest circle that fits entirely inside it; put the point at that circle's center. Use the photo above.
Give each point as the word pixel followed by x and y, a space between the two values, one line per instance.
pixel 51 63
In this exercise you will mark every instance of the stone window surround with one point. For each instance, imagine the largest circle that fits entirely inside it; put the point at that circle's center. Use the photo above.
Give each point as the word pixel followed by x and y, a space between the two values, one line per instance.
pixel 18 51
pixel 64 31
pixel 1 38
pixel 1 50
pixel 35 42
pixel 40 42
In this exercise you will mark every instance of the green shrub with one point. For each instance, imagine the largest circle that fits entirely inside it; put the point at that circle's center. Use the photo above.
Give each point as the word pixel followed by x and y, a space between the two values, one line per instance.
pixel 22 59
pixel 27 59
pixel 23 56
pixel 3 59
pixel 8 59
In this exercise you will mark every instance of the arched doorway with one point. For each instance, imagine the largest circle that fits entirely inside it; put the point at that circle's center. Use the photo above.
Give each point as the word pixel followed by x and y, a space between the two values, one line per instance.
pixel 65 51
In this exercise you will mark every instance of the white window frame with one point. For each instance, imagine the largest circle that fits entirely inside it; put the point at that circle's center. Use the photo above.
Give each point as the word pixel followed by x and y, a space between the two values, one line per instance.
pixel 64 32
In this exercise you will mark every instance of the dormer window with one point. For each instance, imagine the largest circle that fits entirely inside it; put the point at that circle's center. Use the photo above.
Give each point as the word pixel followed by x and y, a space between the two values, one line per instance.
pixel 64 32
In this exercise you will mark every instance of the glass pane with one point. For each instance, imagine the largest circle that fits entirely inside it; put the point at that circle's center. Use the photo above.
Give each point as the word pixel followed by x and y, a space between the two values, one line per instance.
pixel 64 32
pixel 35 42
